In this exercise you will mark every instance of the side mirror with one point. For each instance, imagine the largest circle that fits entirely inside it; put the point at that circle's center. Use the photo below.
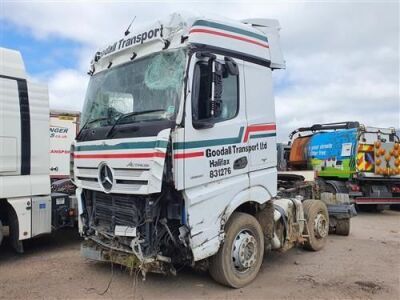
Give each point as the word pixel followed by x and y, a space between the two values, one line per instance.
pixel 231 66
pixel 216 89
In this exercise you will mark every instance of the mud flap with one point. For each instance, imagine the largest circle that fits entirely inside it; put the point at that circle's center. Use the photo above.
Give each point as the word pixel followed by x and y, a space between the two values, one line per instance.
pixel 266 219
pixel 342 211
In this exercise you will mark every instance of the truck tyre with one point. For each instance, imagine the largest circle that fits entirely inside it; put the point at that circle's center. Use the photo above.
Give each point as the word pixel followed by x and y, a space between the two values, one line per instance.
pixel 343 227
pixel 240 256
pixel 317 223
pixel 14 232
pixel 1 232
pixel 380 208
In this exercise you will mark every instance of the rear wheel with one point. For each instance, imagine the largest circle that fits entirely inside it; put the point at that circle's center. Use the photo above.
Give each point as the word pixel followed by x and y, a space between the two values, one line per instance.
pixel 239 258
pixel 317 222
pixel 380 208
pixel 343 227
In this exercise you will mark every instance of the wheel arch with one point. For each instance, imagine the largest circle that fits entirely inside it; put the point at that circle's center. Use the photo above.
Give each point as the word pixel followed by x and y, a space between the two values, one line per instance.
pixel 7 213
pixel 9 217
pixel 338 186
pixel 5 210
pixel 248 201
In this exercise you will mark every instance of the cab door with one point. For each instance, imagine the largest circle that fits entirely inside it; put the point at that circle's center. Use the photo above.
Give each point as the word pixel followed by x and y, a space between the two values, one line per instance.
pixel 214 147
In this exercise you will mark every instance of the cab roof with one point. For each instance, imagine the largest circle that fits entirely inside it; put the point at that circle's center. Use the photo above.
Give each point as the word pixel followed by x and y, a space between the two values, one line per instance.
pixel 11 63
pixel 256 40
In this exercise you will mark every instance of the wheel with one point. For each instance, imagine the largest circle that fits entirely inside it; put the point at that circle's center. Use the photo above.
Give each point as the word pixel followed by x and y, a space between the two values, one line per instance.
pixel 380 208
pixel 14 232
pixel 343 227
pixel 240 256
pixel 395 207
pixel 317 222
pixel 1 232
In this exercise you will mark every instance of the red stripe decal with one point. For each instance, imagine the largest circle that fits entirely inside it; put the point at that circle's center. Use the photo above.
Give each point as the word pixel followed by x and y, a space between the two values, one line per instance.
pixel 257 128
pixel 189 155
pixel 121 155
pixel 228 36
pixel 377 200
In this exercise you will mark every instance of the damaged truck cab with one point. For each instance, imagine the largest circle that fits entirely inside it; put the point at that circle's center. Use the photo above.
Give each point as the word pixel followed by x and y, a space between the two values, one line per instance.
pixel 176 160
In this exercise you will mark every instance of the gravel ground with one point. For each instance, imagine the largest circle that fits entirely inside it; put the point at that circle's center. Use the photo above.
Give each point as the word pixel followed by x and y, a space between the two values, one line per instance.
pixel 364 265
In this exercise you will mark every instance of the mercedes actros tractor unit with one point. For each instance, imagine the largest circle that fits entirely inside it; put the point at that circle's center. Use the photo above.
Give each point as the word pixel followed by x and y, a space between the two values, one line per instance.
pixel 175 162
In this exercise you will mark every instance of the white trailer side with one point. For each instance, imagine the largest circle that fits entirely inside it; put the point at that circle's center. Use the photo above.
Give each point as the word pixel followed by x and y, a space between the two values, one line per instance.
pixel 64 126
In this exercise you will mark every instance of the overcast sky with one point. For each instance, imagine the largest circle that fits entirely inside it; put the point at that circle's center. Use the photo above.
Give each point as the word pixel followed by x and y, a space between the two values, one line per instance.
pixel 342 57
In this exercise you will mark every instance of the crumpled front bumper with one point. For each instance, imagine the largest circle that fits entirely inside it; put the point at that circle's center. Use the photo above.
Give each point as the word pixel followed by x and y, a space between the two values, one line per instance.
pixel 93 251
pixel 97 252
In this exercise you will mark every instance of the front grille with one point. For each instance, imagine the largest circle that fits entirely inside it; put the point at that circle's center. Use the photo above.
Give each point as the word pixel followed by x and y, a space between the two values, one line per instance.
pixel 113 209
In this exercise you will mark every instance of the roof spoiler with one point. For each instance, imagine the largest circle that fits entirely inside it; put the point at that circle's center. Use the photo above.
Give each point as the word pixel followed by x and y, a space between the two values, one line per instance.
pixel 270 28
pixel 11 63
pixel 328 126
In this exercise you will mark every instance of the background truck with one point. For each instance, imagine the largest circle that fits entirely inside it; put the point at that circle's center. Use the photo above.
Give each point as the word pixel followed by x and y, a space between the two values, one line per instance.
pixel 64 126
pixel 175 163
pixel 306 183
pixel 27 208
pixel 350 159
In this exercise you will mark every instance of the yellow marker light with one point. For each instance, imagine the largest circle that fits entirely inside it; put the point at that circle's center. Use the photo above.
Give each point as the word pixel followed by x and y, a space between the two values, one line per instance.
pixel 397 162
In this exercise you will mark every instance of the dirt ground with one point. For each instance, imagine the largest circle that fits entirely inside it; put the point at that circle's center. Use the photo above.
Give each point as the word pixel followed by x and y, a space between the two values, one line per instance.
pixel 364 265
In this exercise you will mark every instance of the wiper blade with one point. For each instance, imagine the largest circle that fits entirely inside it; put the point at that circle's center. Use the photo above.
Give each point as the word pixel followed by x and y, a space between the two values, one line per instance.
pixel 88 123
pixel 130 114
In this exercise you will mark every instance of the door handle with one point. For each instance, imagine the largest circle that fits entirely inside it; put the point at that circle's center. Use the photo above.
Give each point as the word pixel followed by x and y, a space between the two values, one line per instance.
pixel 240 163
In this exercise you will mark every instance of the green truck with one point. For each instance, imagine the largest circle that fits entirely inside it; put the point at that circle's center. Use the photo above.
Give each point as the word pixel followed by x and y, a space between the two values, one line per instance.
pixel 348 161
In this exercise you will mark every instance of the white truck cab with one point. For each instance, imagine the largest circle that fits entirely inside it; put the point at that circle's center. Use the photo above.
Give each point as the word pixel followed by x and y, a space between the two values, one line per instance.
pixel 27 207
pixel 176 158
pixel 25 202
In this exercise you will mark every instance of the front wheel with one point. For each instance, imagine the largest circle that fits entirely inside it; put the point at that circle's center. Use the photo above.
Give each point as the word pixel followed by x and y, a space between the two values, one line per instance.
pixel 1 232
pixel 240 256
pixel 317 223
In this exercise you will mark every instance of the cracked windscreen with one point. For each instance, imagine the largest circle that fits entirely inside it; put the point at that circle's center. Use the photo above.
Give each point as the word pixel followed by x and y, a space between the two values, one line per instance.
pixel 146 89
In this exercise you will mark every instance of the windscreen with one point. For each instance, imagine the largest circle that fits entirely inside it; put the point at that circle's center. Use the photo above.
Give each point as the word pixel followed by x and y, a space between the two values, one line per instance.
pixel 145 89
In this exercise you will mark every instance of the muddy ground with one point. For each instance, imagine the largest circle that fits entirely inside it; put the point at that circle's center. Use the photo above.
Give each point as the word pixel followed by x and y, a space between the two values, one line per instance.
pixel 364 265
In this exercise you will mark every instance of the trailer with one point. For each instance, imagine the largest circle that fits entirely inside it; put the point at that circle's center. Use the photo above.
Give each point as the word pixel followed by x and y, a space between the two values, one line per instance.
pixel 175 163
pixel 27 207
pixel 64 126
pixel 348 158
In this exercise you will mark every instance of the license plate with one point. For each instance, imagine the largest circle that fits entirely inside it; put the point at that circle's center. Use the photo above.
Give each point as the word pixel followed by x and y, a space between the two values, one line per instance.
pixel 125 231
pixel 60 201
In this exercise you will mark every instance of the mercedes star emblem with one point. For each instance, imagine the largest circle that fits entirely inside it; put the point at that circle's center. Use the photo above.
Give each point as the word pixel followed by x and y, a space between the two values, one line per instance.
pixel 106 177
